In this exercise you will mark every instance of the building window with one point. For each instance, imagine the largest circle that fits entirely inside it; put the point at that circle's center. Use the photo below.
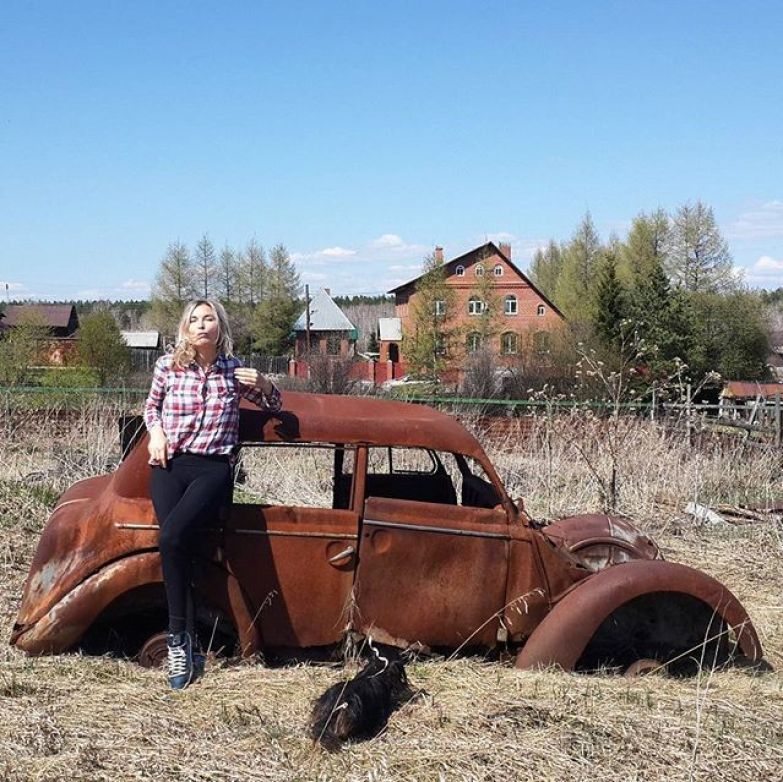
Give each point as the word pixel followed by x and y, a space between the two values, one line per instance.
pixel 333 344
pixel 541 342
pixel 498 270
pixel 479 270
pixel 541 310
pixel 440 345
pixel 509 344
pixel 440 307
pixel 460 271
pixel 510 304
pixel 476 306
pixel 473 342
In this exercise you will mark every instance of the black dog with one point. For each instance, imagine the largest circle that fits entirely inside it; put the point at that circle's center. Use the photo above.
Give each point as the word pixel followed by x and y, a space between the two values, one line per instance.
pixel 360 708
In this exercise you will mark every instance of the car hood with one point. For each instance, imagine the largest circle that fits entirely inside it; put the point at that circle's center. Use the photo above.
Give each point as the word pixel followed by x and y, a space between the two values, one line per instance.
pixel 598 541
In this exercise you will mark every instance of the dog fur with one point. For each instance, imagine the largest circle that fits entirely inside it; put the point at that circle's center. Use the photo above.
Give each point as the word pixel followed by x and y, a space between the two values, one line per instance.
pixel 359 709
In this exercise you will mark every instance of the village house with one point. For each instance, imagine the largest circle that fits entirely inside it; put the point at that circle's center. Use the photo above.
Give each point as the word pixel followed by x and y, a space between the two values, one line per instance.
pixel 524 314
pixel 60 320
pixel 330 331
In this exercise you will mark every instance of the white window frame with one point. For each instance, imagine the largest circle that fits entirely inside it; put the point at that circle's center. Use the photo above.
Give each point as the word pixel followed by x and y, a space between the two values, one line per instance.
pixel 511 299
pixel 473 342
pixel 540 310
pixel 440 306
pixel 476 306
pixel 503 343
pixel 498 270
pixel 460 271
pixel 479 270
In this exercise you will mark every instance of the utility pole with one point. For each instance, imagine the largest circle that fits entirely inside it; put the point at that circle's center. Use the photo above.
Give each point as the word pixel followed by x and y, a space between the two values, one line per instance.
pixel 307 318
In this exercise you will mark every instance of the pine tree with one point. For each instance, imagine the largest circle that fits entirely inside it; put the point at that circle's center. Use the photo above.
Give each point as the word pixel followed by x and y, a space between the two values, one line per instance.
pixel 546 267
pixel 205 266
pixel 174 287
pixel 646 248
pixel 610 309
pixel 430 341
pixel 274 318
pixel 580 260
pixel 252 273
pixel 226 280
pixel 700 260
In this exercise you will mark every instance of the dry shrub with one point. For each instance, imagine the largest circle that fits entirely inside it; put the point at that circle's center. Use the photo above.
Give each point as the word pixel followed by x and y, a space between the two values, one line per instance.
pixel 72 717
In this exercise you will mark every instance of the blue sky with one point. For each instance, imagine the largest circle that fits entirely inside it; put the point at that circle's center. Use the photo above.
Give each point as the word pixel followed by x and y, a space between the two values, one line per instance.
pixel 361 134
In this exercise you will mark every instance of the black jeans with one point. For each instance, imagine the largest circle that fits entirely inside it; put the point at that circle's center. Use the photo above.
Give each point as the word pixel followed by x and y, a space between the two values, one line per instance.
pixel 185 494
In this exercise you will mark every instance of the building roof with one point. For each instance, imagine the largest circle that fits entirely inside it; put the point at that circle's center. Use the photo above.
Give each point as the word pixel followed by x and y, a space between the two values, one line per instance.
pixel 389 329
pixel 325 315
pixel 743 389
pixel 56 316
pixel 141 339
pixel 474 255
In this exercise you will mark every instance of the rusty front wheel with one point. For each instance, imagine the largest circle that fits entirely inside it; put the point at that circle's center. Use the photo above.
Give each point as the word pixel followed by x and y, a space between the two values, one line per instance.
pixel 154 651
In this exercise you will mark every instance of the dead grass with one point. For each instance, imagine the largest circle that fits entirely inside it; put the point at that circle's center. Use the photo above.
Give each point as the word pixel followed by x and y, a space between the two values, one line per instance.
pixel 79 718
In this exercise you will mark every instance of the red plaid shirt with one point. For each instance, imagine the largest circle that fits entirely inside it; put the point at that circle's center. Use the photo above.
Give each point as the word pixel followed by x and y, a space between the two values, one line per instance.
pixel 199 409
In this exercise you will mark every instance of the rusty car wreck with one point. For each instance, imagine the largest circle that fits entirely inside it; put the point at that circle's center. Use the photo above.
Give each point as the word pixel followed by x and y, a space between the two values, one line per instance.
pixel 413 540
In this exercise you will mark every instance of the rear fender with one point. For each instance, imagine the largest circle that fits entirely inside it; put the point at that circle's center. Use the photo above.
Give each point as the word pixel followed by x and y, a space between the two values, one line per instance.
pixel 64 624
pixel 563 635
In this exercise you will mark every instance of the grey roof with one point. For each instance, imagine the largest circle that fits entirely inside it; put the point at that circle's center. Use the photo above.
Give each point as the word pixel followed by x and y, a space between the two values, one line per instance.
pixel 141 339
pixel 390 329
pixel 325 315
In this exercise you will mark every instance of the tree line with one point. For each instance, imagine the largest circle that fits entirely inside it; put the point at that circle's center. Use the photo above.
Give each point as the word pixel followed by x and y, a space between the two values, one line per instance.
pixel 670 284
pixel 260 291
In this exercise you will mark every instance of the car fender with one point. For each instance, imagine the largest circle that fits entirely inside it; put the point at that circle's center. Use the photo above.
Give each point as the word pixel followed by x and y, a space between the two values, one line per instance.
pixel 564 634
pixel 66 621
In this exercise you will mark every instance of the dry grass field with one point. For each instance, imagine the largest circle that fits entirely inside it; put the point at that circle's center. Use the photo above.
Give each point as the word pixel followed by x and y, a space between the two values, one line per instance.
pixel 80 718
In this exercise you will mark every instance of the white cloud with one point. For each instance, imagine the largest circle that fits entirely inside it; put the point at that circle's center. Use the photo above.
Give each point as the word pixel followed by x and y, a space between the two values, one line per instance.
pixel 767 263
pixel 336 252
pixel 766 272
pixel 388 240
pixel 135 285
pixel 405 267
pixel 763 222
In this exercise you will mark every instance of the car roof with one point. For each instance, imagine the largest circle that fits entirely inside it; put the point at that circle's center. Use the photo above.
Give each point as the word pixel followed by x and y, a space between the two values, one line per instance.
pixel 329 418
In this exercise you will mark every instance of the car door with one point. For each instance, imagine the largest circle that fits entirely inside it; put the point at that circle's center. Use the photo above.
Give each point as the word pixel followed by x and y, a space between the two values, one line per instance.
pixel 432 573
pixel 294 561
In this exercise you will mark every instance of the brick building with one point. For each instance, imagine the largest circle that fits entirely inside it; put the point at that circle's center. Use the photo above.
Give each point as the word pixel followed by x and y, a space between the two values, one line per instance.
pixel 524 315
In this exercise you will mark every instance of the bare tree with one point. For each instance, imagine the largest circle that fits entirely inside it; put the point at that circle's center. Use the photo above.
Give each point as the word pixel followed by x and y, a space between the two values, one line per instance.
pixel 205 266
pixel 699 260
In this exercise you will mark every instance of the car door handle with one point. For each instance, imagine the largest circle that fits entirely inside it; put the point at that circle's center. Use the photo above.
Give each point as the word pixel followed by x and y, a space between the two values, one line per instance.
pixel 348 552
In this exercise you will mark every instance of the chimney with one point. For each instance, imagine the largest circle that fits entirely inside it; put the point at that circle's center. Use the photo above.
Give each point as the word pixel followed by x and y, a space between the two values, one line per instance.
pixel 439 254
pixel 505 248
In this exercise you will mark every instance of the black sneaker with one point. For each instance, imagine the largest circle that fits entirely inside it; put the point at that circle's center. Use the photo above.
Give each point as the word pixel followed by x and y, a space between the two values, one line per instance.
pixel 180 660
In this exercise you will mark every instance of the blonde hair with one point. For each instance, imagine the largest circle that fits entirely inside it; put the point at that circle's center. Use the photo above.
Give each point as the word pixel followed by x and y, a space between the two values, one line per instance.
pixel 184 353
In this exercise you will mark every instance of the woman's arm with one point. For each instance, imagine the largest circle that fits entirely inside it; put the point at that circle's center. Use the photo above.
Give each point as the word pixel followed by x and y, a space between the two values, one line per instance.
pixel 258 388
pixel 153 419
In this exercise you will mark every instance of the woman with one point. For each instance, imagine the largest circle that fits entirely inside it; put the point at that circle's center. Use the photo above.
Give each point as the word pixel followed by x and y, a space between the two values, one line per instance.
pixel 192 415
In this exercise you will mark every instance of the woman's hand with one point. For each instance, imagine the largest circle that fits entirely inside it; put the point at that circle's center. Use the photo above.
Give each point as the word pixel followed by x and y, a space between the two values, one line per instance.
pixel 158 446
pixel 253 378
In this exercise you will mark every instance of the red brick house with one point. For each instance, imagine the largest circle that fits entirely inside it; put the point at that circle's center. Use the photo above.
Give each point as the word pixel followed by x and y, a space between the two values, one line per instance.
pixel 524 314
